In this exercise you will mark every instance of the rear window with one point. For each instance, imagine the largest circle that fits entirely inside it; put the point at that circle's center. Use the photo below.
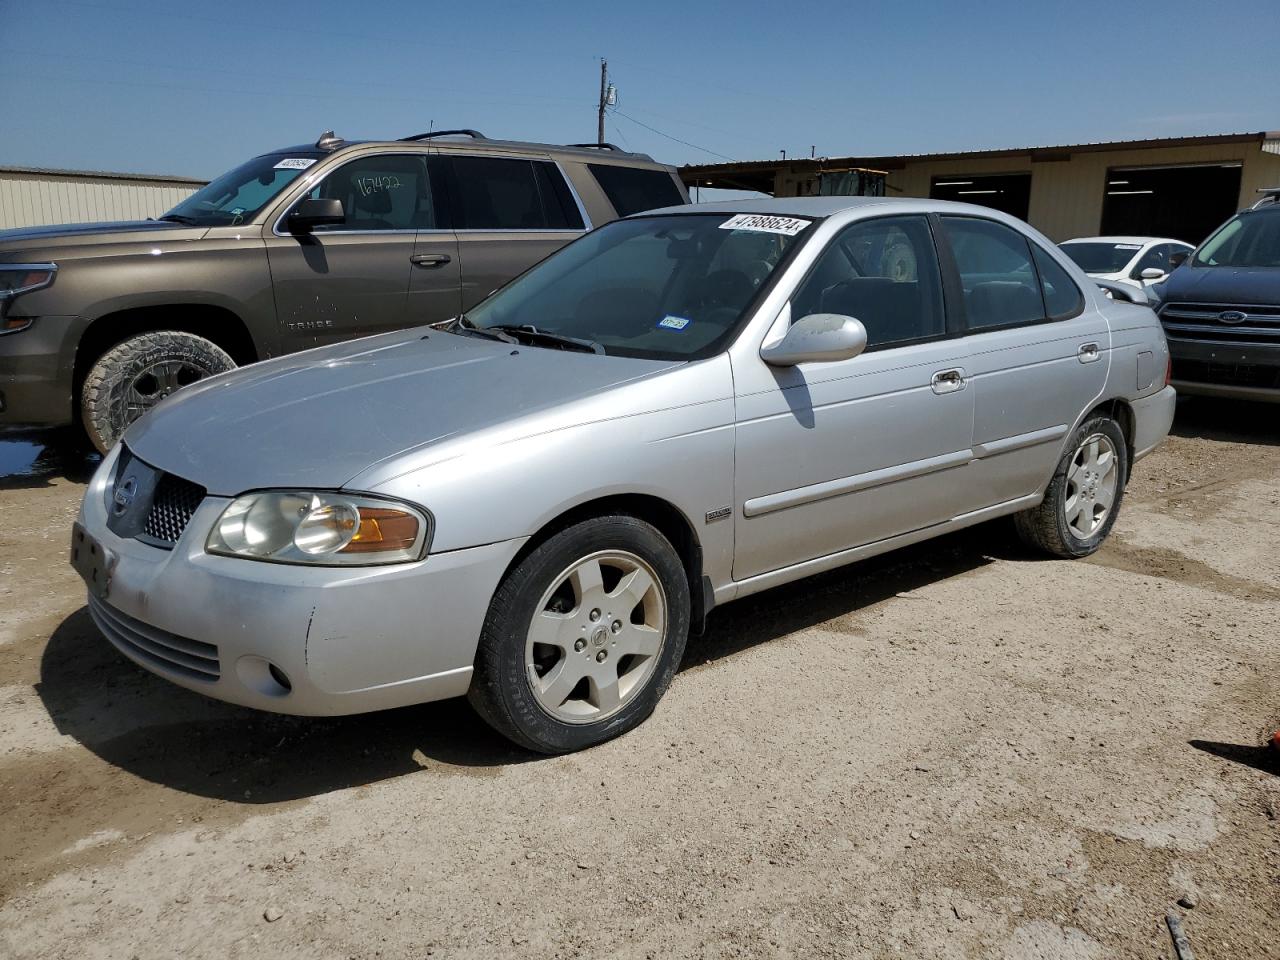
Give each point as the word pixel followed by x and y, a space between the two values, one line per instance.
pixel 633 191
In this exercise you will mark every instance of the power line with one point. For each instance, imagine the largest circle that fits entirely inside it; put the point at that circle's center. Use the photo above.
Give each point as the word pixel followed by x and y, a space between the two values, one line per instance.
pixel 641 123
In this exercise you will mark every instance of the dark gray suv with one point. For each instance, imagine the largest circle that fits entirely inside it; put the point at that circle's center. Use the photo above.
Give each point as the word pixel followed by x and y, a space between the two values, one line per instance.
pixel 296 248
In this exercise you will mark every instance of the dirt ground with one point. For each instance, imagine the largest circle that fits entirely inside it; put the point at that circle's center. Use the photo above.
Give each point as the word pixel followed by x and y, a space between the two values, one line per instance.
pixel 958 750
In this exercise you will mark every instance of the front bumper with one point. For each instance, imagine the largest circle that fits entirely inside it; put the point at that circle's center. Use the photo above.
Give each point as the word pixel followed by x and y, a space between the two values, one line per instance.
pixel 1215 368
pixel 346 640
pixel 36 369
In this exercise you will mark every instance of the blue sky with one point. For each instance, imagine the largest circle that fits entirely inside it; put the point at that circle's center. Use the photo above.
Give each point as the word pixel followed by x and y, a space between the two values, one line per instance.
pixel 187 88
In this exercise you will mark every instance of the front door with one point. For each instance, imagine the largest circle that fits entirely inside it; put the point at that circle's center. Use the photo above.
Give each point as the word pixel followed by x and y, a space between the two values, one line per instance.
pixel 1039 356
pixel 387 266
pixel 831 456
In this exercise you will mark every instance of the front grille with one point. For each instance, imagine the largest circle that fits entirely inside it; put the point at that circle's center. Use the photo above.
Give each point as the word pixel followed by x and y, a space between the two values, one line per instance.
pixel 174 502
pixel 165 652
pixel 1233 374
pixel 1200 321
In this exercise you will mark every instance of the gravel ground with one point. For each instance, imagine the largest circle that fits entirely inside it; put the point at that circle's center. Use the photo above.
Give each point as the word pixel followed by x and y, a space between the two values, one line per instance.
pixel 958 750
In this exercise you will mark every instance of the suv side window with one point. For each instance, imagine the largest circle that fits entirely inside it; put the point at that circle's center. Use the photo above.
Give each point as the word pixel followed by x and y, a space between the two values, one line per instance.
pixel 631 190
pixel 500 193
pixel 1001 286
pixel 884 272
pixel 384 192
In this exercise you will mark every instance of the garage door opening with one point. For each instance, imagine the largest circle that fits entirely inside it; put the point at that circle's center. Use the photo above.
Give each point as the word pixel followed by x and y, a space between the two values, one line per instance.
pixel 1185 203
pixel 1007 192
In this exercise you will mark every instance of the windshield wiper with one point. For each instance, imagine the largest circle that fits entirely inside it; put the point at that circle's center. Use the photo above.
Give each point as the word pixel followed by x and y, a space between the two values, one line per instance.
pixel 178 218
pixel 462 324
pixel 546 337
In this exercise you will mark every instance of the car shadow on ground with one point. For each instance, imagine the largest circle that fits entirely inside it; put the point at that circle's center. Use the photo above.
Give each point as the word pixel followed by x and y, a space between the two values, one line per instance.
pixel 1266 759
pixel 1232 421
pixel 171 736
pixel 34 458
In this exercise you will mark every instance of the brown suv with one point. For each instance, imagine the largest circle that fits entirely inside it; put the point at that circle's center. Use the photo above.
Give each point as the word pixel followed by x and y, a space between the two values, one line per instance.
pixel 296 248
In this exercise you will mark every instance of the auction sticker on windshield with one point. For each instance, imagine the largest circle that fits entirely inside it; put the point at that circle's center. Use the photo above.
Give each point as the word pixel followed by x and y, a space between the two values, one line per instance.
pixel 761 223
pixel 295 163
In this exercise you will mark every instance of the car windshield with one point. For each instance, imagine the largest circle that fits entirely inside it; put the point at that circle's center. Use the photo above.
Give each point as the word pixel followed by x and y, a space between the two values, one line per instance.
pixel 665 287
pixel 1250 239
pixel 238 196
pixel 1095 257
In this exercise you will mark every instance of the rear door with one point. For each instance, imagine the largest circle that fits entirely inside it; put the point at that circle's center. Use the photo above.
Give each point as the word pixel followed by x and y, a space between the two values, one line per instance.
pixel 508 213
pixel 1038 355
pixel 355 278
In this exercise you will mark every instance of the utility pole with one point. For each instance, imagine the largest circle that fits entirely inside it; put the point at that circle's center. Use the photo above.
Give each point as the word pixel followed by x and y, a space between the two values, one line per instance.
pixel 604 92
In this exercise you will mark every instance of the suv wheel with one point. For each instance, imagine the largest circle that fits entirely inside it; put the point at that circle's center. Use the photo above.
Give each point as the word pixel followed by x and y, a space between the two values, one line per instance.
pixel 136 374
pixel 1083 499
pixel 583 636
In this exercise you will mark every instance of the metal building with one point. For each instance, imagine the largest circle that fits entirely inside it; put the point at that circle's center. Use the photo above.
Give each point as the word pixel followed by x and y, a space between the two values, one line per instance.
pixel 1176 187
pixel 31 196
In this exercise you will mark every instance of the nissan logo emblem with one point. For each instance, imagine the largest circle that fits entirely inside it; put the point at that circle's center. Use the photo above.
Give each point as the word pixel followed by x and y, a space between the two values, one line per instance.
pixel 1233 316
pixel 123 497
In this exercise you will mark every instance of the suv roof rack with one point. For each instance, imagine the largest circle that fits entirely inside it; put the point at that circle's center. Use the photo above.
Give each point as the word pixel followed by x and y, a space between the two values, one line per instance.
pixel 604 145
pixel 431 134
pixel 1269 195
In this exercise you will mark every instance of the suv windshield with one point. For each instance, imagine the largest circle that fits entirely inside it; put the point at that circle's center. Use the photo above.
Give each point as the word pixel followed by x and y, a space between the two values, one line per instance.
pixel 667 288
pixel 1101 257
pixel 1250 239
pixel 238 196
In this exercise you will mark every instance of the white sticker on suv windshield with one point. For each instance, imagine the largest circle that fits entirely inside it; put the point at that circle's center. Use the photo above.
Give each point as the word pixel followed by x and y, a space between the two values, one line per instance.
pixel 1128 246
pixel 672 322
pixel 762 223
pixel 295 163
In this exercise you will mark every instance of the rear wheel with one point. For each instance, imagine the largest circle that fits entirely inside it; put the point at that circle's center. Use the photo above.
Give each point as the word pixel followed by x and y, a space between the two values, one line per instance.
pixel 1082 501
pixel 583 636
pixel 136 374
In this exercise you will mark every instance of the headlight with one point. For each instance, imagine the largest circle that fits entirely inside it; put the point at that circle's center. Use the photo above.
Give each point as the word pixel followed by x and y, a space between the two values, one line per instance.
pixel 325 529
pixel 19 278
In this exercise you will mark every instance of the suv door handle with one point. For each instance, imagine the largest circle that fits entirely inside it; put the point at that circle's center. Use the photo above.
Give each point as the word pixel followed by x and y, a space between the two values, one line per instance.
pixel 948 381
pixel 1088 353
pixel 430 259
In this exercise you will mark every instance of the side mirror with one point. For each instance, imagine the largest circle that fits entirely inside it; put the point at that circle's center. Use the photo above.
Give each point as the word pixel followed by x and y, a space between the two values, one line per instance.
pixel 1151 273
pixel 1123 291
pixel 819 337
pixel 1178 259
pixel 315 212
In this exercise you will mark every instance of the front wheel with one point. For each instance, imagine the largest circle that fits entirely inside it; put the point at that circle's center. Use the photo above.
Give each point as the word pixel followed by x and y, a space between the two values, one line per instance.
pixel 1082 501
pixel 137 373
pixel 583 636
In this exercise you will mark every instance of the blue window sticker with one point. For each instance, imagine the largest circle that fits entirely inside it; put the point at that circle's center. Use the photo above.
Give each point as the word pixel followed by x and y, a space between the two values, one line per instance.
pixel 672 322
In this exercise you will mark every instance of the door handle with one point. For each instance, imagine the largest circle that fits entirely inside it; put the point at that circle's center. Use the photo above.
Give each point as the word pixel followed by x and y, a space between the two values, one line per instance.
pixel 948 381
pixel 430 259
pixel 1088 353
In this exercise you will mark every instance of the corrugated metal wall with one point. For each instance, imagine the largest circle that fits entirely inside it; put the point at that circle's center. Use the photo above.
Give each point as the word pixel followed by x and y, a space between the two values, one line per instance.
pixel 29 199
pixel 1067 195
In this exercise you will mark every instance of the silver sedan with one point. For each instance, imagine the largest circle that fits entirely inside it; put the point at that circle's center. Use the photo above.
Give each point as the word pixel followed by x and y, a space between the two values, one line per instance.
pixel 536 503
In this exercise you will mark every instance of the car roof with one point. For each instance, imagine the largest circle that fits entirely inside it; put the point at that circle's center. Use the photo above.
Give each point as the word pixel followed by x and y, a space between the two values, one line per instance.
pixel 1123 239
pixel 588 152
pixel 819 207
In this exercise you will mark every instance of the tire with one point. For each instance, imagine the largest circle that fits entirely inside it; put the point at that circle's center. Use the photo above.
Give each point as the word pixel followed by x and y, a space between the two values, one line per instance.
pixel 138 373
pixel 518 680
pixel 1049 526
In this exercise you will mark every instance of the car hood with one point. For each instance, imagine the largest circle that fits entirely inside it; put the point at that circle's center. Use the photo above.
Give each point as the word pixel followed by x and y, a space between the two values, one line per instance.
pixel 319 418
pixel 1226 285
pixel 77 234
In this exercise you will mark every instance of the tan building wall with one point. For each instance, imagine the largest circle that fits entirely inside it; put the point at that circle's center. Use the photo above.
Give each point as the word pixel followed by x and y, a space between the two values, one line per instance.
pixel 1066 195
pixel 30 198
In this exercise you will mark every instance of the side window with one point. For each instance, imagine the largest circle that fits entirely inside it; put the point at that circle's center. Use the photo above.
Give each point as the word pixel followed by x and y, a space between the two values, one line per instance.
pixel 634 191
pixel 388 192
pixel 1062 298
pixel 1001 287
pixel 883 272
pixel 498 193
